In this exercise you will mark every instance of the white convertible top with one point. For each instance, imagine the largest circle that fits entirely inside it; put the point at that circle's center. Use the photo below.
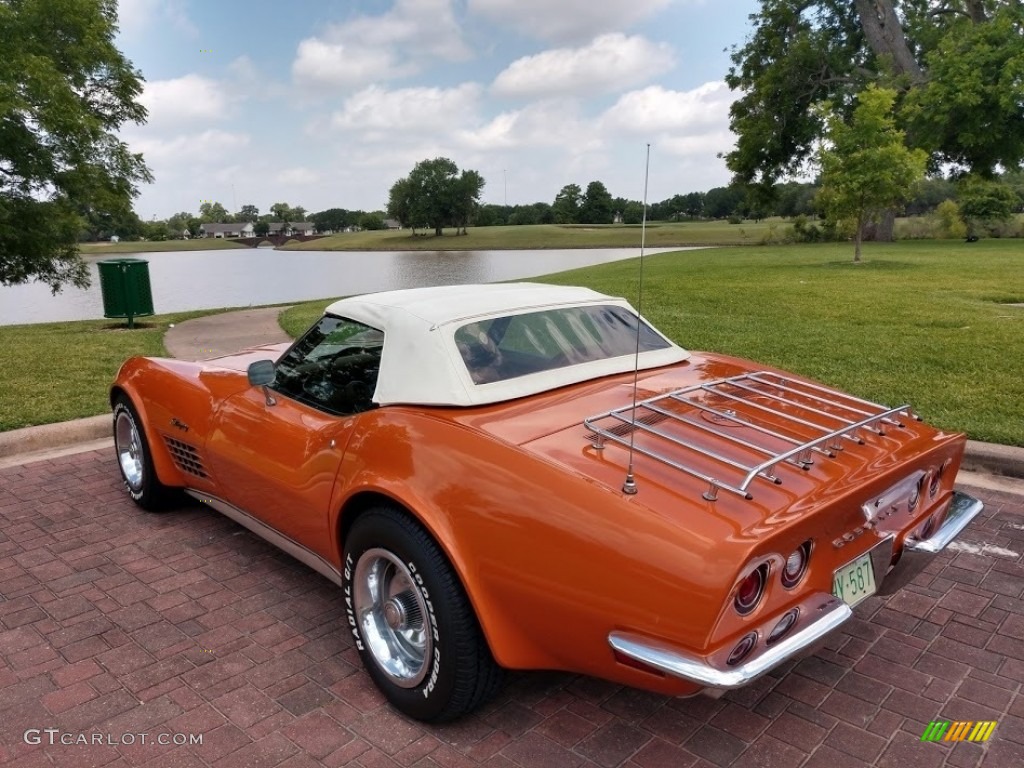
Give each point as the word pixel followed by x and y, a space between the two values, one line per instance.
pixel 421 364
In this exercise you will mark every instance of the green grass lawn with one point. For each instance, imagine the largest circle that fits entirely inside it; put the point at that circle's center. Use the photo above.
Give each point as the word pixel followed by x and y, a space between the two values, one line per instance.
pixel 924 322
pixel 59 371
pixel 548 236
pixel 199 244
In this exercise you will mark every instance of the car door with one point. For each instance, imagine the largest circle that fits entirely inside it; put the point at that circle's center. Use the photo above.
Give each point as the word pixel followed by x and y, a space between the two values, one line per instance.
pixel 277 451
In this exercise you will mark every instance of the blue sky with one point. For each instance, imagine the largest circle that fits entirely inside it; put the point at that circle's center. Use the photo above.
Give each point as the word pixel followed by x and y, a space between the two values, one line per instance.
pixel 325 104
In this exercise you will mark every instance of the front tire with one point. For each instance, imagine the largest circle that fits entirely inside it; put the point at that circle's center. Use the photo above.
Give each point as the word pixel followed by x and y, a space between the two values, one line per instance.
pixel 411 621
pixel 135 460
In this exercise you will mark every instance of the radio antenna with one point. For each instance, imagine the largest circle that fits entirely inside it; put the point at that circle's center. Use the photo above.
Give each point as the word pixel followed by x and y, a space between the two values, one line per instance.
pixel 629 487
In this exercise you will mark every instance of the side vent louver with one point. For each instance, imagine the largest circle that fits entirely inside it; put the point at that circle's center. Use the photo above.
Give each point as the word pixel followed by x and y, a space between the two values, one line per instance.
pixel 186 457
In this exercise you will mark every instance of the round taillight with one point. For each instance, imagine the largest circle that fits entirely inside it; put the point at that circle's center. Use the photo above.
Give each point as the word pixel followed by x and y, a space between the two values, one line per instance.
pixel 786 623
pixel 796 565
pixel 936 483
pixel 915 495
pixel 749 592
pixel 742 649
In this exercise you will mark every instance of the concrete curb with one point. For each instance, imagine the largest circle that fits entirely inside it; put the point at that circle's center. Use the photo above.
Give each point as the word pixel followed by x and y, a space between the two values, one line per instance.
pixel 990 458
pixel 995 459
pixel 49 436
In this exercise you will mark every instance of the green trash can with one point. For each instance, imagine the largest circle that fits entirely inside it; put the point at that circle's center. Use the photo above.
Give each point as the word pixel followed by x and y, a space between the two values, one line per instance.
pixel 124 284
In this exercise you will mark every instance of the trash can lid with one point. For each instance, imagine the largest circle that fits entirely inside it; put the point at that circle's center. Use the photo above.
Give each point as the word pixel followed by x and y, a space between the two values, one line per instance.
pixel 123 261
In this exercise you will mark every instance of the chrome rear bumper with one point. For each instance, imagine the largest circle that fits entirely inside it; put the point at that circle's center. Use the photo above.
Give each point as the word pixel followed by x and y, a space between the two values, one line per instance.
pixel 709 674
pixel 918 552
pixel 829 613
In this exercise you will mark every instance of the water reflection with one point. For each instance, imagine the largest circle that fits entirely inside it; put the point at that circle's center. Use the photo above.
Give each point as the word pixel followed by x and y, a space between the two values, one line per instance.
pixel 208 279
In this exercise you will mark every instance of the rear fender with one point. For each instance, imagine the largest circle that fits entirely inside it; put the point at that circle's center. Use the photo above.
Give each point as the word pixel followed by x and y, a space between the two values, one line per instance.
pixel 574 572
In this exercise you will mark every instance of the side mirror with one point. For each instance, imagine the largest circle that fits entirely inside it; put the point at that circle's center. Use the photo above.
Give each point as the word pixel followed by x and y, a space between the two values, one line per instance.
pixel 261 373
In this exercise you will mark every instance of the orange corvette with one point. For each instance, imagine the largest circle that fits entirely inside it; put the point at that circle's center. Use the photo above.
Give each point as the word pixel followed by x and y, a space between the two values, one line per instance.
pixel 532 477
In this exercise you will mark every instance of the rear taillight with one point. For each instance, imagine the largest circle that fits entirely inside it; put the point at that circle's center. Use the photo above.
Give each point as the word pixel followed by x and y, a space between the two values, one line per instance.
pixel 915 495
pixel 796 565
pixel 750 590
pixel 936 482
pixel 742 649
pixel 786 623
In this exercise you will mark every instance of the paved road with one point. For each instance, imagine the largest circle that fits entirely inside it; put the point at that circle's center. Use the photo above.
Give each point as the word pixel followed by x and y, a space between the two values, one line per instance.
pixel 113 621
pixel 224 334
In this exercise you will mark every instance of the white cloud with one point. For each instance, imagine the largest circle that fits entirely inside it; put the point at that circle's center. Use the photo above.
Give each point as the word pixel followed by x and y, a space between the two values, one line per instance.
pixel 298 176
pixel 177 152
pixel 658 110
pixel 567 20
pixel 552 123
pixel 373 48
pixel 609 63
pixel 191 98
pixel 340 64
pixel 379 114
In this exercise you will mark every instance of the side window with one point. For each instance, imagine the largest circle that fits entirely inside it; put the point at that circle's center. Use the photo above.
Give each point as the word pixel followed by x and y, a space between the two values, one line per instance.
pixel 333 367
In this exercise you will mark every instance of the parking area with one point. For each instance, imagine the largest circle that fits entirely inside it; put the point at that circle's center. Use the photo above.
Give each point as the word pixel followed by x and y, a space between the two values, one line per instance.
pixel 183 627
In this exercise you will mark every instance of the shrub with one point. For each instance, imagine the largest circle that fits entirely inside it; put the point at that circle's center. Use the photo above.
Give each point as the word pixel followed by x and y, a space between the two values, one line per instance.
pixel 949 223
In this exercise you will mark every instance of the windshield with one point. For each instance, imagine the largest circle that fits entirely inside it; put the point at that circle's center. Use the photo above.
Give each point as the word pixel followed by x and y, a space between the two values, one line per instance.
pixel 504 348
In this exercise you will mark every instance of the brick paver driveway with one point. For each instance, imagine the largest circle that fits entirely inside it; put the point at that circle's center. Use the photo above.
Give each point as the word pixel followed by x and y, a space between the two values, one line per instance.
pixel 116 623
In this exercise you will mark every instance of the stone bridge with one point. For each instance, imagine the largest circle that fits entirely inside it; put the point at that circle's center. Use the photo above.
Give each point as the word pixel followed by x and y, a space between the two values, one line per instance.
pixel 277 240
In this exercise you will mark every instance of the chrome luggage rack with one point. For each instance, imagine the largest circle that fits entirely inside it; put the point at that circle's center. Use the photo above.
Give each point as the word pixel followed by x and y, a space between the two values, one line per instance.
pixel 832 417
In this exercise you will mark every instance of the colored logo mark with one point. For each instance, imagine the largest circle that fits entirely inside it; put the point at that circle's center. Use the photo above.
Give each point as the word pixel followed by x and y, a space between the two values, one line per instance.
pixel 958 730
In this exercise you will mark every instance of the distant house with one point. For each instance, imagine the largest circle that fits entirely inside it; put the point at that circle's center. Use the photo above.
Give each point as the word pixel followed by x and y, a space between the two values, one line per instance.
pixel 237 229
pixel 392 224
pixel 292 228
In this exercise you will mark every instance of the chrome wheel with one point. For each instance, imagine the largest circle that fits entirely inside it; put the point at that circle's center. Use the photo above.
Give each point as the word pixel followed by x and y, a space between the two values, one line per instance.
pixel 129 450
pixel 394 617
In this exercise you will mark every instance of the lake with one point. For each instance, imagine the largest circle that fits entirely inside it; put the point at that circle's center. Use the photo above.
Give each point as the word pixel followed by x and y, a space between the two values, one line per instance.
pixel 189 280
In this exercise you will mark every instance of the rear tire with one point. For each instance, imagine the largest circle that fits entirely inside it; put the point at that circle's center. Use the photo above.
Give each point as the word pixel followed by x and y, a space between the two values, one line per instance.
pixel 411 621
pixel 135 461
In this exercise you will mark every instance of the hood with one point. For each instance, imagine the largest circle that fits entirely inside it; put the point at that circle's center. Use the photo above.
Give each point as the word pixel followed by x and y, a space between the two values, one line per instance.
pixel 240 361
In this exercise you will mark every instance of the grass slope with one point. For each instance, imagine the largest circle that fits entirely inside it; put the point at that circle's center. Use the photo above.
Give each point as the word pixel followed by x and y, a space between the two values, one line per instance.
pixel 200 244
pixel 547 236
pixel 919 322
pixel 60 371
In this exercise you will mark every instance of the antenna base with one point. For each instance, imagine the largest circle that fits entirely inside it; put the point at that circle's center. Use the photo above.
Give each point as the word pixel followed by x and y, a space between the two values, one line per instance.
pixel 629 487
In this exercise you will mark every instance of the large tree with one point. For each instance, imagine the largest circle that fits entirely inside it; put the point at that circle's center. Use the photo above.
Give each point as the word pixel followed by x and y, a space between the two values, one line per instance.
pixel 866 167
pixel 212 212
pixel 435 194
pixel 566 208
pixel 65 90
pixel 596 207
pixel 956 64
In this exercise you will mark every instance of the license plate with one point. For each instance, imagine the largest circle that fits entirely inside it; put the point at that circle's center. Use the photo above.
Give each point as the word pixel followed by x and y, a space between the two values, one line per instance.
pixel 853 582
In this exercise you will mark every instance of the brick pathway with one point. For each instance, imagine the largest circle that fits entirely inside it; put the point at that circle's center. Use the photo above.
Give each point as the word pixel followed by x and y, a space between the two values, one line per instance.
pixel 113 621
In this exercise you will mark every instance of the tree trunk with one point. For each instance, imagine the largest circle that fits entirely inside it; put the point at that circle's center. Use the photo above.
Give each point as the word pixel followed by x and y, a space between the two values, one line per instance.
pixel 856 241
pixel 976 10
pixel 438 231
pixel 884 34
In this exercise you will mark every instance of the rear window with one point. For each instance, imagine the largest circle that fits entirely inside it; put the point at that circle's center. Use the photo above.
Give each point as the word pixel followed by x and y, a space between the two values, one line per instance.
pixel 504 348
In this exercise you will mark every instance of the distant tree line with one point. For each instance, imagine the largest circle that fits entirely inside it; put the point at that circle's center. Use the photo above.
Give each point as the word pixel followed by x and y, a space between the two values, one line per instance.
pixel 129 226
pixel 977 205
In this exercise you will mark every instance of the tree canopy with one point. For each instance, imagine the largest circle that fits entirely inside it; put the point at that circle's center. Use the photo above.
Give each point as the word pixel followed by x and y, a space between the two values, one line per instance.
pixel 435 194
pixel 65 90
pixel 956 64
